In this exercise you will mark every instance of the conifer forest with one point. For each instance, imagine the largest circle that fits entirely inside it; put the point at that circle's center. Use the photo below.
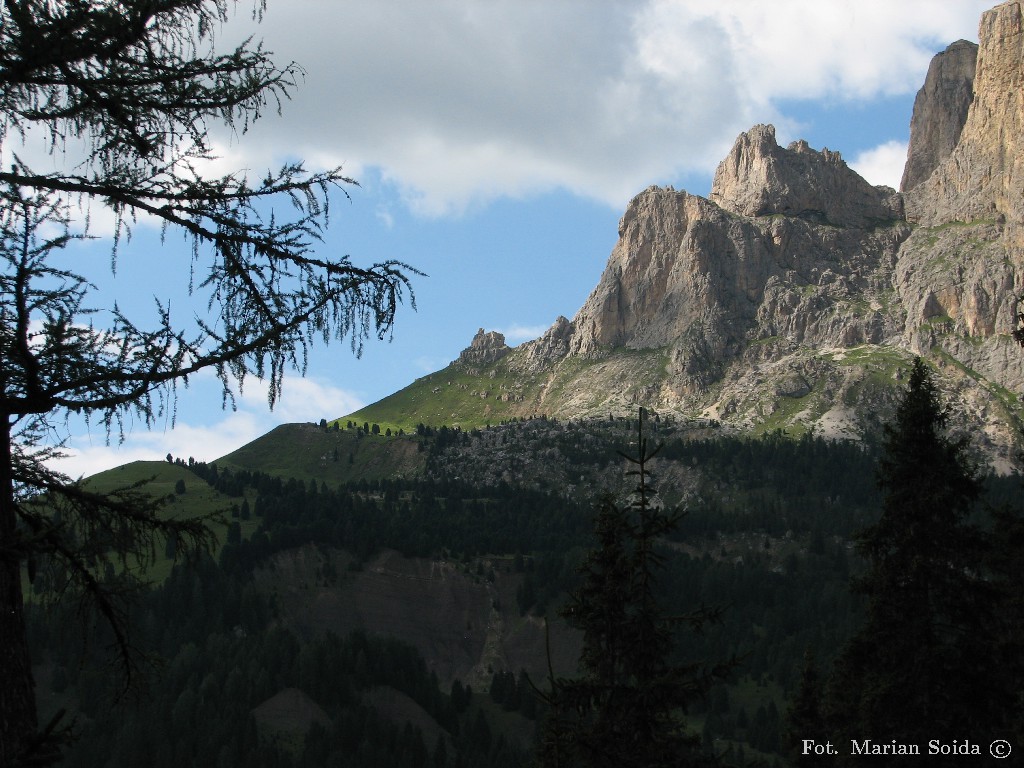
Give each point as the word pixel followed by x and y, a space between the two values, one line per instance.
pixel 767 594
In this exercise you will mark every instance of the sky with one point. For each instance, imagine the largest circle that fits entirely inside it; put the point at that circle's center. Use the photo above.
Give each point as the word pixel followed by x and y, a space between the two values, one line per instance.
pixel 496 144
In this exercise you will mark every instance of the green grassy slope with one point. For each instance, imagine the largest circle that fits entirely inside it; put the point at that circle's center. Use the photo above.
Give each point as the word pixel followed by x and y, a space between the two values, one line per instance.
pixel 199 500
pixel 477 396
pixel 454 396
pixel 302 451
pixel 309 452
pixel 160 478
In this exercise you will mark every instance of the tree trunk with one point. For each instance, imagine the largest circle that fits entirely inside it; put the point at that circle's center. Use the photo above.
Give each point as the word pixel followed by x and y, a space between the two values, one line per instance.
pixel 18 720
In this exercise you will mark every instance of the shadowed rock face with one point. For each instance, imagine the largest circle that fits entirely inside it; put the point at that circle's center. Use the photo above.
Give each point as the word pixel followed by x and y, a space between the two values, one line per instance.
pixel 940 111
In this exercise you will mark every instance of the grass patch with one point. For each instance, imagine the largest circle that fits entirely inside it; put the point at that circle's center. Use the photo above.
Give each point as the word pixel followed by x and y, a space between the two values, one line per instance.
pixel 601 376
pixel 880 365
pixel 934 233
pixel 950 360
pixel 938 323
pixel 160 478
pixel 881 361
pixel 786 410
pixel 1009 401
pixel 199 500
pixel 455 396
pixel 332 456
pixel 476 396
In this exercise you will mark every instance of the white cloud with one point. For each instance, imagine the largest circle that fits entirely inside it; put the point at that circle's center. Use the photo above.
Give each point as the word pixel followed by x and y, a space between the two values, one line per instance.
pixel 457 104
pixel 89 454
pixel 302 399
pixel 807 49
pixel 516 334
pixel 883 164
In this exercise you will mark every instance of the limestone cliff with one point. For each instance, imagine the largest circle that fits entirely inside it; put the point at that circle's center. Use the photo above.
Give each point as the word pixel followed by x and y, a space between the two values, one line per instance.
pixel 940 111
pixel 759 178
pixel 796 295
pixel 705 281
pixel 961 271
pixel 983 178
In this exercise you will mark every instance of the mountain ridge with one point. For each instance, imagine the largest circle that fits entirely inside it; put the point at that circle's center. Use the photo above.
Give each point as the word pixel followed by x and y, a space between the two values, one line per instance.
pixel 796 294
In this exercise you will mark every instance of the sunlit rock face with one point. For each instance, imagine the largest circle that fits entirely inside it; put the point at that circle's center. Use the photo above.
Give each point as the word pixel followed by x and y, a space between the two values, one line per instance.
pixel 940 111
pixel 704 280
pixel 798 283
pixel 486 347
pixel 983 178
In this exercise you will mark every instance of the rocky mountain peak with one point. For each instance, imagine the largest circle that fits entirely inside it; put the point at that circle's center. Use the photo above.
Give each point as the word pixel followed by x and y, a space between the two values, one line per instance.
pixel 486 347
pixel 760 178
pixel 798 288
pixel 940 111
pixel 797 294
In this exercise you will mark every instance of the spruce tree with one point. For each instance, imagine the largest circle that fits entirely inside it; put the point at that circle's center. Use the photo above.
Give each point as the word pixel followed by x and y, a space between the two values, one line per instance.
pixel 626 706
pixel 921 666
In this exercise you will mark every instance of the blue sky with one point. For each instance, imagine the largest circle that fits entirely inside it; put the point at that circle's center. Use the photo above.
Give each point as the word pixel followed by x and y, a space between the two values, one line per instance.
pixel 497 143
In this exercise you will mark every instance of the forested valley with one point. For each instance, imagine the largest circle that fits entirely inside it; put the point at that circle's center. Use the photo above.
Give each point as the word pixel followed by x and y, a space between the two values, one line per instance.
pixel 226 676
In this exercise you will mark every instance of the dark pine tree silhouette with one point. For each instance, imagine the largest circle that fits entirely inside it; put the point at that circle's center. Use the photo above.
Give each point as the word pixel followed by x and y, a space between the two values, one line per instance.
pixel 804 720
pixel 626 706
pixel 922 667
pixel 1007 569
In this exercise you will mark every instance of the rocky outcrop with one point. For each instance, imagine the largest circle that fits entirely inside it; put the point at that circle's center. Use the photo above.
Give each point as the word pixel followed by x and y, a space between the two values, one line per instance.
pixel 983 178
pixel 486 347
pixel 660 282
pixel 940 111
pixel 960 274
pixel 759 178
pixel 704 280
pixel 552 346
